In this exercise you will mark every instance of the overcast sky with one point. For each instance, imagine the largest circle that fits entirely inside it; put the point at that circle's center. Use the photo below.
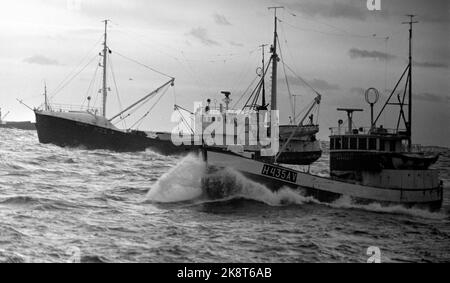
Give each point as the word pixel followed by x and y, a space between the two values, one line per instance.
pixel 339 47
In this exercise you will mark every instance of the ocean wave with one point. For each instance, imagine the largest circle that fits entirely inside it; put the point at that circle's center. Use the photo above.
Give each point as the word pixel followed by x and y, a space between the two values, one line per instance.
pixel 186 182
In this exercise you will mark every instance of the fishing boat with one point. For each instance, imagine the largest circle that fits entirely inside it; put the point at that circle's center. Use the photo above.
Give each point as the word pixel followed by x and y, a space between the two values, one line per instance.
pixel 21 125
pixel 367 165
pixel 303 147
pixel 88 127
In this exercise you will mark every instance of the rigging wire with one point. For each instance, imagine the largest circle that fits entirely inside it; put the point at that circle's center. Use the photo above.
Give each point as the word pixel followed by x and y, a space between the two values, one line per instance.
pixel 287 82
pixel 92 82
pixel 117 89
pixel 245 92
pixel 143 65
pixel 73 77
pixel 58 88
pixel 151 108
pixel 300 78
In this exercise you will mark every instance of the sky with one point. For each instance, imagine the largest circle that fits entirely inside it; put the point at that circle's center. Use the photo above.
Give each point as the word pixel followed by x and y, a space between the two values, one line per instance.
pixel 340 48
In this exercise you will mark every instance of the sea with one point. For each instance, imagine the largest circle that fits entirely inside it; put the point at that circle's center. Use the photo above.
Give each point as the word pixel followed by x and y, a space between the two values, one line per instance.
pixel 77 205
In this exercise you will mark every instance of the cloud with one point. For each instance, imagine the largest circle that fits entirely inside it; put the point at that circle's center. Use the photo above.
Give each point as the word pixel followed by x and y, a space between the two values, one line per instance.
pixel 315 83
pixel 426 96
pixel 355 53
pixel 237 44
pixel 41 60
pixel 201 34
pixel 348 9
pixel 430 64
pixel 357 90
pixel 221 20
pixel 323 85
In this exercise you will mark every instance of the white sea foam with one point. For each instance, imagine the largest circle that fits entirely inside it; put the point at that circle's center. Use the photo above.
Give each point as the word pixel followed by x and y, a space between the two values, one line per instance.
pixel 180 183
pixel 184 183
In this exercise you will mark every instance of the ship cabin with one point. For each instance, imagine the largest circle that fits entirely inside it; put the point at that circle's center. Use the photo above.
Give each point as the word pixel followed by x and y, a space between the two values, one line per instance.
pixel 365 139
pixel 361 149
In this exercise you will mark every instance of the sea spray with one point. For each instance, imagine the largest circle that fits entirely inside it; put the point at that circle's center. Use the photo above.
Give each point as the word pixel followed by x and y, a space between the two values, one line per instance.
pixel 181 183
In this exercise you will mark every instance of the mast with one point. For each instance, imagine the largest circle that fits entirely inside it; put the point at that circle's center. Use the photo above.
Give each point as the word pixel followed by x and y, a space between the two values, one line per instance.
pixel 273 103
pixel 45 97
pixel 409 126
pixel 104 88
pixel 263 78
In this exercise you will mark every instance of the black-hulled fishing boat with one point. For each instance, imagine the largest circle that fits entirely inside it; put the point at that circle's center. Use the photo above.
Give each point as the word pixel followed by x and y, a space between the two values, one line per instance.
pixel 21 125
pixel 90 128
pixel 367 165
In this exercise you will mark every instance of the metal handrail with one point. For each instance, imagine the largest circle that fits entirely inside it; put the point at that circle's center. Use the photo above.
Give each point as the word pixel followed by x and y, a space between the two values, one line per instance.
pixel 364 131
pixel 70 107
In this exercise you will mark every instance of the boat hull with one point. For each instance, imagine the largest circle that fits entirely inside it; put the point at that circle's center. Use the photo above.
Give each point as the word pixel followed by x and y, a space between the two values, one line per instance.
pixel 71 133
pixel 275 177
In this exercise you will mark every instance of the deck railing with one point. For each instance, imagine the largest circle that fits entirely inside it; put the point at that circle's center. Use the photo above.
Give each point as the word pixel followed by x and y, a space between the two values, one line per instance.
pixel 72 108
pixel 364 131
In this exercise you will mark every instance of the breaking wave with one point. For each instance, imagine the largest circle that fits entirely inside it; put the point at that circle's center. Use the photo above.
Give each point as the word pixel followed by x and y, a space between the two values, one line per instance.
pixel 346 202
pixel 190 182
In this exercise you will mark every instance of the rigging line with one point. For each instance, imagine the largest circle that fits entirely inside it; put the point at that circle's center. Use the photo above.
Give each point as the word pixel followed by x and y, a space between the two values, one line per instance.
pixel 183 119
pixel 256 90
pixel 91 84
pixel 78 65
pixel 287 81
pixel 300 78
pixel 143 38
pixel 304 110
pixel 286 42
pixel 373 36
pixel 228 56
pixel 193 73
pixel 322 23
pixel 148 45
pixel 73 77
pixel 143 65
pixel 148 112
pixel 117 89
pixel 245 92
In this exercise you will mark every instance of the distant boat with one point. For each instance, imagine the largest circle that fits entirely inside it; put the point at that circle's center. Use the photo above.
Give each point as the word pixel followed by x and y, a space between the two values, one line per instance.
pixel 21 125
pixel 88 128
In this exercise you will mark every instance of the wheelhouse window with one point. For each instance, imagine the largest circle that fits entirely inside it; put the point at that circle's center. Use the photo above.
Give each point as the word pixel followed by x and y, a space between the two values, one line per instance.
pixel 344 143
pixel 337 143
pixel 382 145
pixel 332 143
pixel 372 144
pixel 353 143
pixel 392 145
pixel 362 143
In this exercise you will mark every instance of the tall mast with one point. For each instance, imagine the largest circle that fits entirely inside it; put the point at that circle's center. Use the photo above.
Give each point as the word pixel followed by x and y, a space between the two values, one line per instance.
pixel 45 97
pixel 105 52
pixel 409 126
pixel 274 61
pixel 263 78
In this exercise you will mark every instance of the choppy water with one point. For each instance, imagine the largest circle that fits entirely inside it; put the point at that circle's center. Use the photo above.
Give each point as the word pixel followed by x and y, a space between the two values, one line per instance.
pixel 59 205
